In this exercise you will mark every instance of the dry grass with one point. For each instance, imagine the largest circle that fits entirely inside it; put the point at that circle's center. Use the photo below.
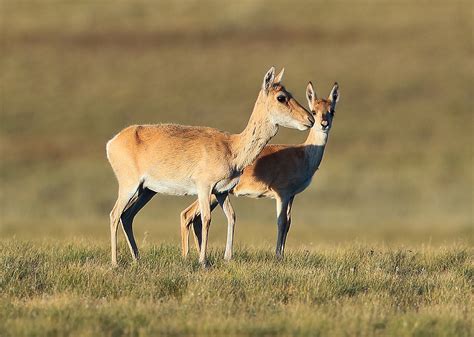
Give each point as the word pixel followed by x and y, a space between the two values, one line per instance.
pixel 353 290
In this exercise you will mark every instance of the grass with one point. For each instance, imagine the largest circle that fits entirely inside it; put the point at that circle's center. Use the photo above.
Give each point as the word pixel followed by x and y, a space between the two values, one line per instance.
pixel 69 288
pixel 381 241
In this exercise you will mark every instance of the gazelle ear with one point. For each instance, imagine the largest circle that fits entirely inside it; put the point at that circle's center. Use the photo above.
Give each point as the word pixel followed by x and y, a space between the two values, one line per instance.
pixel 268 79
pixel 334 95
pixel 279 76
pixel 310 95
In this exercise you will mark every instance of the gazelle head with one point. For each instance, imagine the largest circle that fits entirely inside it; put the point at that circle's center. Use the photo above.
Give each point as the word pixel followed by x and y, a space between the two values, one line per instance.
pixel 284 110
pixel 323 110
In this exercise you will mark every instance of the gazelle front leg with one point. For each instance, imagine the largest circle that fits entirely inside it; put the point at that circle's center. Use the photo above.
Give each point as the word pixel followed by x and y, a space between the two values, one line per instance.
pixel 224 202
pixel 192 216
pixel 288 224
pixel 204 197
pixel 282 219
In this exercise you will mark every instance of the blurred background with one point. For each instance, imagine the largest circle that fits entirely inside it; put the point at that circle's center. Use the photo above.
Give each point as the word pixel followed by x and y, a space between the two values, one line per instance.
pixel 398 165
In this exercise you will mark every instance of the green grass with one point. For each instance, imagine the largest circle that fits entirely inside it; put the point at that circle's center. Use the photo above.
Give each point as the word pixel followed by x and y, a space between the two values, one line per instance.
pixel 69 288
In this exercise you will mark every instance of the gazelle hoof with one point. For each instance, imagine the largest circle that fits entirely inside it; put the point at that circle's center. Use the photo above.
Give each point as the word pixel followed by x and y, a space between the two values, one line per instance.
pixel 205 264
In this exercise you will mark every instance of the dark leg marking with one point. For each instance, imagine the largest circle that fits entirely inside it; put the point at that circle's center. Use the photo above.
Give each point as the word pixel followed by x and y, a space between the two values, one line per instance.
pixel 144 195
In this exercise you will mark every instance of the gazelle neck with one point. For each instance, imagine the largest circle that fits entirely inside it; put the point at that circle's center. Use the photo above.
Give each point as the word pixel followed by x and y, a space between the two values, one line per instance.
pixel 248 144
pixel 317 137
pixel 314 147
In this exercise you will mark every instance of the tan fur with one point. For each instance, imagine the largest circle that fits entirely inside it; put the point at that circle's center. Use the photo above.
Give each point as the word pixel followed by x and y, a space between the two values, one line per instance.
pixel 280 172
pixel 182 160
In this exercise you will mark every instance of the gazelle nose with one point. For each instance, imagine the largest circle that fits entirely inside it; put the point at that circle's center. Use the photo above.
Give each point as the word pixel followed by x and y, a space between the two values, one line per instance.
pixel 324 123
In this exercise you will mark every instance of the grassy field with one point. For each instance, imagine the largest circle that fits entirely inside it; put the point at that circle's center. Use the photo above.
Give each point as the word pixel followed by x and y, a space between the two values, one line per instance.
pixel 350 290
pixel 381 241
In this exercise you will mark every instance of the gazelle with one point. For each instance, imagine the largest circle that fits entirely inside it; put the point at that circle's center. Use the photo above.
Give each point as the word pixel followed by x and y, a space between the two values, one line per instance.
pixel 280 172
pixel 189 160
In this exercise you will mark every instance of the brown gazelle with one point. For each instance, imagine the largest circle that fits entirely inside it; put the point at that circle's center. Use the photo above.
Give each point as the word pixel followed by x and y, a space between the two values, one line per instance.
pixel 280 172
pixel 190 160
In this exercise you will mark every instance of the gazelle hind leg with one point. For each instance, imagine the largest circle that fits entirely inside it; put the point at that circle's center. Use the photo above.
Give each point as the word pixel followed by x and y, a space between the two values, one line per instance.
pixel 121 204
pixel 188 216
pixel 114 221
pixel 143 196
pixel 197 232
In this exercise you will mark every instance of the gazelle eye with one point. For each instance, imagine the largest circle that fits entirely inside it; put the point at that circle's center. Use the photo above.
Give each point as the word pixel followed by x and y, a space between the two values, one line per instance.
pixel 281 98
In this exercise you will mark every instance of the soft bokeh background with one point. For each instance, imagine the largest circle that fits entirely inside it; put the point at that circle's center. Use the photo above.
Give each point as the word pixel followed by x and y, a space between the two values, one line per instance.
pixel 398 166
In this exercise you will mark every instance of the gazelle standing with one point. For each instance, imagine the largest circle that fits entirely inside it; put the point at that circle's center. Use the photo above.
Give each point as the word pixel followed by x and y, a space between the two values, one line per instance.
pixel 189 160
pixel 280 172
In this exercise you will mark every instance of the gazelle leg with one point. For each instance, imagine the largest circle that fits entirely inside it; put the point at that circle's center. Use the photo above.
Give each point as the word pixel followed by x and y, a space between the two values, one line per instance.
pixel 123 200
pixel 197 232
pixel 204 197
pixel 281 207
pixel 193 217
pixel 144 195
pixel 187 217
pixel 288 224
pixel 196 226
pixel 224 202
pixel 114 221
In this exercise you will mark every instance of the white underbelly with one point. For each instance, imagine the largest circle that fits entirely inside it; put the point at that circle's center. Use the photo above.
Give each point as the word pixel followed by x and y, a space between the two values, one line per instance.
pixel 171 187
